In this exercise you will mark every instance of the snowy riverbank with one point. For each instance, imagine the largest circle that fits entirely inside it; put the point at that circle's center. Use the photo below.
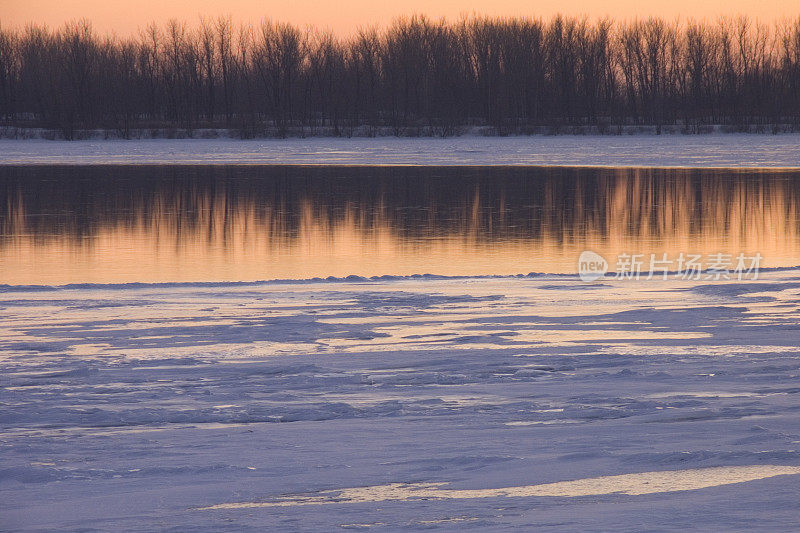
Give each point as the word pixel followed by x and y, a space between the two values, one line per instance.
pixel 711 150
pixel 405 403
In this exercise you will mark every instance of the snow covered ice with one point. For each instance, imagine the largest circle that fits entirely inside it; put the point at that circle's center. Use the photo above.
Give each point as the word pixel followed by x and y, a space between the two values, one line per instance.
pixel 696 151
pixel 409 403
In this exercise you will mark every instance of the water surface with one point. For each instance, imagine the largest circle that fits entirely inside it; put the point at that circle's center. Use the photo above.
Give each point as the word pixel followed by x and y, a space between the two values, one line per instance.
pixel 110 224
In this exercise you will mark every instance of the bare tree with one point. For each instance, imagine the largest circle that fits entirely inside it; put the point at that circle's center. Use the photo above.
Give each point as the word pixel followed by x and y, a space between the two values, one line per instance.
pixel 417 76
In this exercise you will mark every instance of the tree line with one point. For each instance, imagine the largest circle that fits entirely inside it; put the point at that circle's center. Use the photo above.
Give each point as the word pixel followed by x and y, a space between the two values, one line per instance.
pixel 416 76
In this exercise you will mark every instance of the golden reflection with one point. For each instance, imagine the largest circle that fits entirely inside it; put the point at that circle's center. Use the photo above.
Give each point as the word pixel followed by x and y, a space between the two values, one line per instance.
pixel 103 225
pixel 635 484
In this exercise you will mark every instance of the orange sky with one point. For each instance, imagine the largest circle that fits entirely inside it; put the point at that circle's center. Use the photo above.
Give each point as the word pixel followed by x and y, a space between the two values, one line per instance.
pixel 344 16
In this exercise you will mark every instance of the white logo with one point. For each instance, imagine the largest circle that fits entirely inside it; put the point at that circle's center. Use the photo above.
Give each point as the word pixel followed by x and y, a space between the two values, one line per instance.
pixel 591 266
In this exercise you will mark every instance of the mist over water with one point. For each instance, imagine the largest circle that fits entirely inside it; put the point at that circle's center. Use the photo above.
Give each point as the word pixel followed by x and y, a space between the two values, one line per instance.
pixel 219 223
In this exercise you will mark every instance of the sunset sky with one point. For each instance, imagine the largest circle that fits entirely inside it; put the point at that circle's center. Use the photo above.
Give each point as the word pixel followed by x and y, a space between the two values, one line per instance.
pixel 344 16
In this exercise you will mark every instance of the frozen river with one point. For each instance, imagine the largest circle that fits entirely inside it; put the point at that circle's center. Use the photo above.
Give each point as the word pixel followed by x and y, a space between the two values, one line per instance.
pixel 402 404
pixel 424 357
